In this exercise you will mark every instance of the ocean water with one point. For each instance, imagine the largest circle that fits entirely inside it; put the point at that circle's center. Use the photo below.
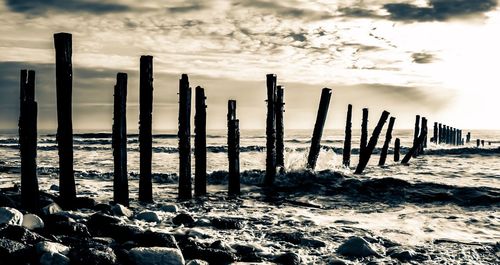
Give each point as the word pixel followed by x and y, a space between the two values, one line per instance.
pixel 446 198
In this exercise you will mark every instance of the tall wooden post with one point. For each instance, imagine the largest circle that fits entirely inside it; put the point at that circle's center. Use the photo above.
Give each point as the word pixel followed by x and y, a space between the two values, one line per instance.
pixel 233 149
pixel 346 157
pixel 453 136
pixel 324 103
pixel 397 146
pixel 200 143
pixel 416 131
pixel 440 134
pixel 280 128
pixel 270 130
pixel 64 91
pixel 367 153
pixel 448 134
pixel 435 136
pixel 388 137
pixel 478 142
pixel 119 141
pixel 145 128
pixel 30 197
pixel 414 148
pixel 468 138
pixel 184 138
pixel 364 132
pixel 423 127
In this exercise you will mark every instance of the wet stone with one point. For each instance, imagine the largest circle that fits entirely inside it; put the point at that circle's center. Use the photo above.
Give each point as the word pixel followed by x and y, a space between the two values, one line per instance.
pixel 183 219
pixel 52 208
pixel 227 223
pixel 356 247
pixel 54 258
pixel 11 251
pixel 197 262
pixel 288 258
pixel 103 208
pixel 155 239
pixel 51 247
pixel 97 254
pixel 20 234
pixel 156 255
pixel 68 228
pixel 10 216
pixel 120 210
pixel 32 222
pixel 148 216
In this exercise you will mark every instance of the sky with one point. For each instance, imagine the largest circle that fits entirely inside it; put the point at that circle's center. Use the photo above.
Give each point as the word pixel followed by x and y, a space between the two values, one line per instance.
pixel 436 58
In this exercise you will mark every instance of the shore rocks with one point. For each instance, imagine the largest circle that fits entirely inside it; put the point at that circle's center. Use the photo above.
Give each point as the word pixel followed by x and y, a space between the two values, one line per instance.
pixel 120 210
pixel 197 262
pixel 19 233
pixel 54 258
pixel 183 219
pixel 93 254
pixel 10 216
pixel 227 223
pixel 148 216
pixel 11 251
pixel 52 208
pixel 155 239
pixel 288 258
pixel 156 256
pixel 32 222
pixel 169 208
pixel 356 247
pixel 51 247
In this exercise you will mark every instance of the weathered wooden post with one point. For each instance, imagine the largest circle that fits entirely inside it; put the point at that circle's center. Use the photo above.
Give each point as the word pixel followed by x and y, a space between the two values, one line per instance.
pixel 422 129
pixel 366 154
pixel 364 132
pixel 414 148
pixel 388 137
pixel 447 134
pixel 233 149
pixel 200 143
pixel 440 134
pixel 397 146
pixel 324 103
pixel 64 91
pixel 119 141
pixel 468 138
pixel 30 198
pixel 270 131
pixel 416 132
pixel 184 138
pixel 280 128
pixel 435 135
pixel 482 143
pixel 145 128
pixel 453 136
pixel 478 142
pixel 346 157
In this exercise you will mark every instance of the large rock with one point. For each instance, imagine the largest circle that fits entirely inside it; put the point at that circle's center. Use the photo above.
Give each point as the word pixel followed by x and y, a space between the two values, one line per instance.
pixel 96 255
pixel 10 216
pixel 197 262
pixel 20 234
pixel 155 239
pixel 170 208
pixel 54 258
pixel 120 210
pixel 227 223
pixel 52 208
pixel 32 221
pixel 148 216
pixel 183 219
pixel 356 247
pixel 156 256
pixel 68 228
pixel 11 251
pixel 288 258
pixel 51 247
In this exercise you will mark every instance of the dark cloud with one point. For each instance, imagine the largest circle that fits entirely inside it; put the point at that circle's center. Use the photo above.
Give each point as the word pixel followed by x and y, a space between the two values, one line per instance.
pixel 422 57
pixel 284 11
pixel 357 12
pixel 193 6
pixel 40 7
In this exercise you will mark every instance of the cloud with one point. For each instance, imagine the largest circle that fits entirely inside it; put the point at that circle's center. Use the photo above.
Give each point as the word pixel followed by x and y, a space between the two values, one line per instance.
pixel 190 6
pixel 41 7
pixel 291 11
pixel 422 57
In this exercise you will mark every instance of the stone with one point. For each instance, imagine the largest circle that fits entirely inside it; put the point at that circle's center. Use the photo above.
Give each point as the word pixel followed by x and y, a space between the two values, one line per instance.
pixel 10 216
pixel 6 201
pixel 103 208
pixel 11 251
pixel 32 221
pixel 356 247
pixel 84 202
pixel 119 232
pixel 156 256
pixel 313 243
pixel 192 250
pixel 183 219
pixel 54 187
pixel 227 223
pixel 336 262
pixel 52 208
pixel 197 262
pixel 148 216
pixel 120 210
pixel 68 228
pixel 405 255
pixel 248 252
pixel 54 258
pixel 19 233
pixel 155 239
pixel 169 208
pixel 51 247
pixel 288 258
pixel 97 255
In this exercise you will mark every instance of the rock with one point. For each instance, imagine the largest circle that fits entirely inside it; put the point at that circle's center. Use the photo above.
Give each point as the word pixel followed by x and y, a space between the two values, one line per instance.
pixel 313 243
pixel 6 201
pixel 97 255
pixel 227 223
pixel 108 241
pixel 356 247
pixel 183 219
pixel 294 238
pixel 170 208
pixel 119 232
pixel 84 202
pixel 68 228
pixel 32 221
pixel 248 252
pixel 197 233
pixel 197 262
pixel 103 208
pixel 11 252
pixel 336 262
pixel 404 255
pixel 54 187
pixel 52 208
pixel 54 258
pixel 20 234
pixel 155 239
pixel 121 210
pixel 288 258
pixel 213 256
pixel 148 216
pixel 51 247
pixel 99 223
pixel 10 216
pixel 156 256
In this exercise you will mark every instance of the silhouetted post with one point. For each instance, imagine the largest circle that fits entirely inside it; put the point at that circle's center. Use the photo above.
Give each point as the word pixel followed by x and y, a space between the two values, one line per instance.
pixel 478 142
pixel 415 133
pixel 435 135
pixel 184 138
pixel 346 157
pixel 445 131
pixel 447 134
pixel 233 149
pixel 453 136
pixel 367 153
pixel 468 137
pixel 200 143
pixel 423 128
pixel 28 141
pixel 482 143
pixel 388 137
pixel 414 148
pixel 440 133
pixel 397 146
pixel 459 137
pixel 270 130
pixel 280 131
pixel 364 132
pixel 324 103
pixel 119 141
pixel 64 91
pixel 145 128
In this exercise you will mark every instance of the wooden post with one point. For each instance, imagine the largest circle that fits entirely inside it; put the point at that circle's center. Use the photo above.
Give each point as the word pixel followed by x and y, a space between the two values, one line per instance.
pixel 423 128
pixel 416 132
pixel 468 138
pixel 200 143
pixel 414 148
pixel 440 134
pixel 280 128
pixel 233 149
pixel 397 146
pixel 366 154
pixel 482 143
pixel 478 142
pixel 324 103
pixel 119 141
pixel 30 197
pixel 346 157
pixel 64 91
pixel 364 132
pixel 145 128
pixel 435 135
pixel 388 137
pixel 453 136
pixel 448 134
pixel 184 138
pixel 270 131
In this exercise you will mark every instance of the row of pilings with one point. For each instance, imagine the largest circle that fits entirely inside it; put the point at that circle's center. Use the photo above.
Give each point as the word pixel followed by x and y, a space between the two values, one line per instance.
pixel 274 135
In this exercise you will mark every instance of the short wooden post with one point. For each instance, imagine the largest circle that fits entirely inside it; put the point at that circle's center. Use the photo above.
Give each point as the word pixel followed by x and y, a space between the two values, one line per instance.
pixel 397 146
pixel 478 142
pixel 119 141
pixel 482 143
pixel 184 138
pixel 435 135
pixel 366 154
pixel 416 131
pixel 64 91
pixel 280 128
pixel 200 143
pixel 364 132
pixel 233 149
pixel 468 138
pixel 270 130
pixel 414 148
pixel 324 103
pixel 145 128
pixel 346 156
pixel 30 198
pixel 388 137
pixel 453 136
